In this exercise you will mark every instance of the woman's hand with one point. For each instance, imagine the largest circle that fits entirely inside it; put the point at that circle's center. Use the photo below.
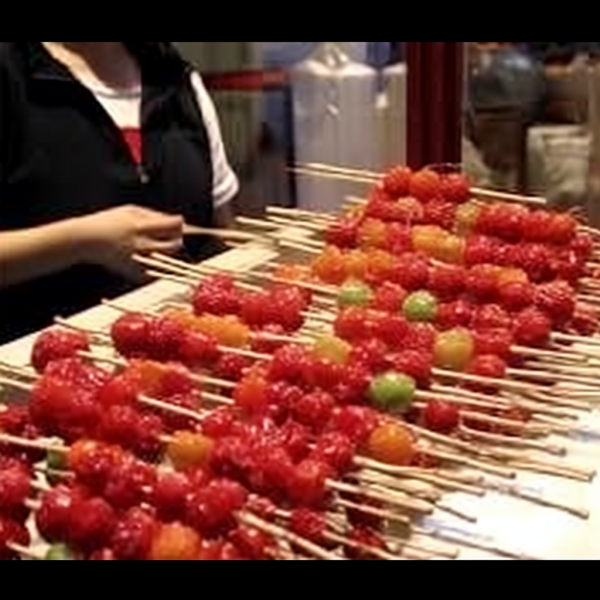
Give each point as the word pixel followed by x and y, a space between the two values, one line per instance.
pixel 112 238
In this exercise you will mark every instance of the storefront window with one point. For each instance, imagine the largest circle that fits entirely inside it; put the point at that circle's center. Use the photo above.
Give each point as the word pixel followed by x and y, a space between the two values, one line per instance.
pixel 532 122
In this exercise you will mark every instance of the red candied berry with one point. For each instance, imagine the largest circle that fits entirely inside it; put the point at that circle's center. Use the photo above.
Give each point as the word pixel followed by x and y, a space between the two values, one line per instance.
pixel 336 450
pixel 314 410
pixel 128 483
pixel 365 545
pixel 323 374
pixel 412 272
pixel 558 300
pixel 312 527
pixel 265 340
pixel 354 385
pixel 399 239
pixel 396 182
pixel 353 324
pixel 177 422
pixel 219 423
pixel 516 296
pixel 104 555
pixel 211 510
pixel 57 344
pixel 296 439
pixel 489 367
pixel 199 351
pixel 441 417
pixel 166 338
pixel 255 310
pixel 120 390
pixel 364 512
pixel 447 282
pixel 308 486
pixel 355 422
pixel 425 185
pixel 232 367
pixel 532 328
pixel 491 316
pixel 371 353
pixel 288 364
pixel 421 337
pixel 583 245
pixel 83 376
pixel 253 543
pixel 537 223
pixel 13 420
pixel 441 213
pixel 12 532
pixel 343 233
pixel 415 364
pixel 389 298
pixel 91 523
pixel 286 307
pixel 494 342
pixel 391 329
pixel 455 188
pixel 131 335
pixel 502 220
pixel 133 535
pixel 456 314
pixel 481 283
pixel 217 298
pixel 15 487
pixel 169 495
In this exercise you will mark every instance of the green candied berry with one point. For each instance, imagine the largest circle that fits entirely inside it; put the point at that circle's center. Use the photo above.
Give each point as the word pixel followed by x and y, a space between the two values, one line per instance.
pixel 56 461
pixel 393 391
pixel 420 307
pixel 355 294
pixel 60 552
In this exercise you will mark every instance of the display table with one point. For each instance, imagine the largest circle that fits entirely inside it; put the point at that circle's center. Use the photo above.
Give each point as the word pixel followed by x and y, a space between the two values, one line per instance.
pixel 513 524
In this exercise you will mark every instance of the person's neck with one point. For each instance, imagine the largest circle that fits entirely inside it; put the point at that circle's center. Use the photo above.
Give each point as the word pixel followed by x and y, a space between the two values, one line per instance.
pixel 108 62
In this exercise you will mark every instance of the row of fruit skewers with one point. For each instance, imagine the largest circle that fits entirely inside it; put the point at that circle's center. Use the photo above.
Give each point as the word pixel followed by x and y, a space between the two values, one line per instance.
pixel 275 333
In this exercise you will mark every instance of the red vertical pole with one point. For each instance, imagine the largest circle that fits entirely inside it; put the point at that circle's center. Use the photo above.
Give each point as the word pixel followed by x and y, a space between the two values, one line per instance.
pixel 435 102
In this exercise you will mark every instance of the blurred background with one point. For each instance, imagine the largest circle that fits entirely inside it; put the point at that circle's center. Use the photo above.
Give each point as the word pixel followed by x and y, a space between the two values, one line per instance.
pixel 528 118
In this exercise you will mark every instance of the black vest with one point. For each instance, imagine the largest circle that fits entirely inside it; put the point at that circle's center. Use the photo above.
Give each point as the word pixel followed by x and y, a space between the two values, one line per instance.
pixel 62 156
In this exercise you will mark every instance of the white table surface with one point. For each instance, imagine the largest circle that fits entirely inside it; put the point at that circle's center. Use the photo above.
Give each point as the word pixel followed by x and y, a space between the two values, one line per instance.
pixel 514 524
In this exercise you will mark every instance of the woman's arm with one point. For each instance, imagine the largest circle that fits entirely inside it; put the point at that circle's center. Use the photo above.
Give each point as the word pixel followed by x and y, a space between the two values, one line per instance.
pixel 225 182
pixel 110 239
pixel 32 253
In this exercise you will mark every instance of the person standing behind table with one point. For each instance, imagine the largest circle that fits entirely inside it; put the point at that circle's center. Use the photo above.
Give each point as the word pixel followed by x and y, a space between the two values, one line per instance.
pixel 106 150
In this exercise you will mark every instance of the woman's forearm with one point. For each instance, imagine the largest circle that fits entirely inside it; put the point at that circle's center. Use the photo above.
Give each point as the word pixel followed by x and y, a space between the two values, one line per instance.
pixel 31 253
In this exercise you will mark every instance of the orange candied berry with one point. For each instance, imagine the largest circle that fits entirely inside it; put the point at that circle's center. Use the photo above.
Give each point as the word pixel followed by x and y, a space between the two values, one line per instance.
pixel 373 234
pixel 356 265
pixel 147 376
pixel 452 250
pixel 330 266
pixel 510 275
pixel 175 542
pixel 234 333
pixel 250 393
pixel 292 273
pixel 188 450
pixel 182 316
pixel 393 444
pixel 381 266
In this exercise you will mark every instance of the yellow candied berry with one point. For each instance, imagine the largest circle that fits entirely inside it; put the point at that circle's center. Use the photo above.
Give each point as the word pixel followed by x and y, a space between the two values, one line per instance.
pixel 426 238
pixel 332 349
pixel 466 218
pixel 454 350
